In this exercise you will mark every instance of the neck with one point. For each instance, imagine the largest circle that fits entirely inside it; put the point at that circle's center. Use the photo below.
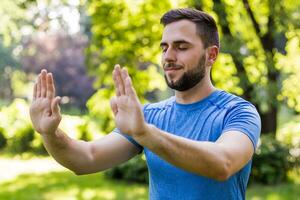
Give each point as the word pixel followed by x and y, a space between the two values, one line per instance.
pixel 203 89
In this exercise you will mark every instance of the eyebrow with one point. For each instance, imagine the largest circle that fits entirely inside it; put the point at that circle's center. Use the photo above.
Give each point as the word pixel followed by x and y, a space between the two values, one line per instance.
pixel 175 42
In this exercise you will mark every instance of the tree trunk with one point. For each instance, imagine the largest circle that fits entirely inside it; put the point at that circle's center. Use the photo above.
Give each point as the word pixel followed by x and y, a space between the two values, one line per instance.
pixel 269 121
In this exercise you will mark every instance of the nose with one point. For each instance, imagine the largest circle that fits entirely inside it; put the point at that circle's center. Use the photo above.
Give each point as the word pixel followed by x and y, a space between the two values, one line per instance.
pixel 169 55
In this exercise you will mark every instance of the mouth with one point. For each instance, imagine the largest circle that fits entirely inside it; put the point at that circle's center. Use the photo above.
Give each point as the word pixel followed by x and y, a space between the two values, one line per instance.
pixel 172 67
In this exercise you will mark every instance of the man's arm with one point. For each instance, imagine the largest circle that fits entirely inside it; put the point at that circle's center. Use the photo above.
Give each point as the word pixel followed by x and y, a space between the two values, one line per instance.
pixel 79 156
pixel 88 157
pixel 217 160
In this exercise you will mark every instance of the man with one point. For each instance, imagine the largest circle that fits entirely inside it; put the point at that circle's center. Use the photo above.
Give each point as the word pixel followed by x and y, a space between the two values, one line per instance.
pixel 198 144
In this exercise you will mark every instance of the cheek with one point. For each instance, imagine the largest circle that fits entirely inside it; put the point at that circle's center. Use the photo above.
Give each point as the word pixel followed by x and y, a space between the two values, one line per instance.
pixel 189 59
pixel 162 59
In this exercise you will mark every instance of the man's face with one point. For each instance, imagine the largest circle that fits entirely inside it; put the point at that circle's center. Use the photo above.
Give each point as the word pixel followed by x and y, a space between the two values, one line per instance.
pixel 183 55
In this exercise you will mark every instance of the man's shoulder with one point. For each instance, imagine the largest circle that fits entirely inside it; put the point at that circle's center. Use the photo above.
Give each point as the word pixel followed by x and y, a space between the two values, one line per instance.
pixel 161 105
pixel 226 100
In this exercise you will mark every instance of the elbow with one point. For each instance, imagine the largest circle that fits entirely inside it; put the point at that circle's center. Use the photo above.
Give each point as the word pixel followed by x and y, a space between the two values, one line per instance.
pixel 223 173
pixel 84 172
pixel 79 172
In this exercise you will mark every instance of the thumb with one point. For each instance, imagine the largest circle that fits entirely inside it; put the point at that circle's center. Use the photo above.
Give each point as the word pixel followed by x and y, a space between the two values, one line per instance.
pixel 113 105
pixel 55 106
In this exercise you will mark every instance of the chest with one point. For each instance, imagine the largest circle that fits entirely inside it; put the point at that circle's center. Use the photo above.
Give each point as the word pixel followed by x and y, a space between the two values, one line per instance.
pixel 202 124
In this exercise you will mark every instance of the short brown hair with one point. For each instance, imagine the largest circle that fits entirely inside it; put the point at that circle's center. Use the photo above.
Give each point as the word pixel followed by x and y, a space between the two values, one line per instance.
pixel 206 25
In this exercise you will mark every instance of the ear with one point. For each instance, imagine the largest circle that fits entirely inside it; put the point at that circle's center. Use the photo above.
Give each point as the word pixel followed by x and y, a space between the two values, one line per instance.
pixel 212 54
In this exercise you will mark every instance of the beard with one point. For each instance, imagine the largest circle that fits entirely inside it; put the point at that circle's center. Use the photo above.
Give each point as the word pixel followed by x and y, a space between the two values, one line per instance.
pixel 190 78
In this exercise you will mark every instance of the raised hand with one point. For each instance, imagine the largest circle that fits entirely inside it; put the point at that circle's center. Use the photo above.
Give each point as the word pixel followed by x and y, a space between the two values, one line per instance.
pixel 126 106
pixel 44 110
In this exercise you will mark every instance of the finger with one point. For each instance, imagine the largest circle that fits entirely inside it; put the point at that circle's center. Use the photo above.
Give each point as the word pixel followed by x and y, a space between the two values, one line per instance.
pixel 55 106
pixel 34 91
pixel 113 105
pixel 130 91
pixel 115 83
pixel 50 86
pixel 119 81
pixel 124 74
pixel 43 83
pixel 38 87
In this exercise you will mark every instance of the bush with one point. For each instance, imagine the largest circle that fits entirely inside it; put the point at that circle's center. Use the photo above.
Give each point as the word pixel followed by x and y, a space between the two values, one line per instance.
pixel 134 170
pixel 84 133
pixel 271 162
pixel 289 133
pixel 3 140
pixel 22 139
pixel 38 146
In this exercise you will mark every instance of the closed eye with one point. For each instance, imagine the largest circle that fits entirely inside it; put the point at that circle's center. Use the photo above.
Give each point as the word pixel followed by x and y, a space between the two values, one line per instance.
pixel 182 48
pixel 164 48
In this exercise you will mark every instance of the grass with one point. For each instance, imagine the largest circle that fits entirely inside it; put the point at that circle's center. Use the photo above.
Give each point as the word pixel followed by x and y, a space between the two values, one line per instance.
pixel 67 186
pixel 286 191
pixel 283 191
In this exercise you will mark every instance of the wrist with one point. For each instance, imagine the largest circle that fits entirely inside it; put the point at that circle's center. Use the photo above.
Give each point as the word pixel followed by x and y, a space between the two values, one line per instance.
pixel 144 134
pixel 51 135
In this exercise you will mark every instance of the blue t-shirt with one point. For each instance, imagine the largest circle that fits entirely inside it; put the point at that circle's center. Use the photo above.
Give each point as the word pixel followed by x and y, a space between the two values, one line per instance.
pixel 205 120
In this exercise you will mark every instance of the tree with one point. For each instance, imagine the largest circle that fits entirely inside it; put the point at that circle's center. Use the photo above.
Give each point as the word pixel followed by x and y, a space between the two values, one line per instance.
pixel 56 42
pixel 257 41
pixel 63 55
pixel 258 58
pixel 7 62
pixel 128 33
pixel 11 17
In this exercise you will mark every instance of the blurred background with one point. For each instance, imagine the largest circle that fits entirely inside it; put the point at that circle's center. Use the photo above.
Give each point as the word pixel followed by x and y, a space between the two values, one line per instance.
pixel 80 41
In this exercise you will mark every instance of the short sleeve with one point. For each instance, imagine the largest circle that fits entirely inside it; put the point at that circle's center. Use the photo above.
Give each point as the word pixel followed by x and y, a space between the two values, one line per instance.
pixel 129 138
pixel 244 118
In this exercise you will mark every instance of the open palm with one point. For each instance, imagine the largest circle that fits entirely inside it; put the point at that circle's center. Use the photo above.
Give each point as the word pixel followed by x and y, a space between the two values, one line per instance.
pixel 126 107
pixel 44 109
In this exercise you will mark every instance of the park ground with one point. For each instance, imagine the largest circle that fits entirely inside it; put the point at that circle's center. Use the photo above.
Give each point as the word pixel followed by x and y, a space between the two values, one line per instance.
pixel 41 178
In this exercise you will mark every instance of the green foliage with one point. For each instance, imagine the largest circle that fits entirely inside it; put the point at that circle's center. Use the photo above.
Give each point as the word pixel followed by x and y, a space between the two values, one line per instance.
pixel 125 32
pixel 12 16
pixel 22 139
pixel 7 64
pixel 289 134
pixel 289 64
pixel 17 130
pixel 271 162
pixel 134 170
pixel 14 116
pixel 84 133
pixel 264 48
pixel 223 74
pixel 3 140
pixel 257 48
pixel 20 84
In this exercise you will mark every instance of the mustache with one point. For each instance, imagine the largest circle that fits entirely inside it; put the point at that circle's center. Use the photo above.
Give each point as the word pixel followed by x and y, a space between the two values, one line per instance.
pixel 171 65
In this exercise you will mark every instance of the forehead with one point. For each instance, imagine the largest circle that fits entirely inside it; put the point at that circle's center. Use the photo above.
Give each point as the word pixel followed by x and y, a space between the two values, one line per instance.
pixel 180 30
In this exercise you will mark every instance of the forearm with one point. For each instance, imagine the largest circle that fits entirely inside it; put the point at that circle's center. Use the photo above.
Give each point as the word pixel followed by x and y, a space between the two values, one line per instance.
pixel 203 158
pixel 72 154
